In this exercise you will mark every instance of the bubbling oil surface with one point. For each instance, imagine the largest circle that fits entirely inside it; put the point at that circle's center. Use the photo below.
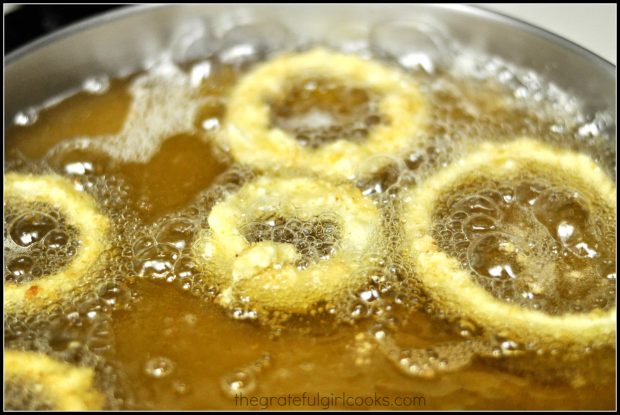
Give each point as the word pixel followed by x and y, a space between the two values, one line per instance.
pixel 142 147
pixel 38 242
pixel 20 394
pixel 532 242
pixel 320 111
pixel 314 239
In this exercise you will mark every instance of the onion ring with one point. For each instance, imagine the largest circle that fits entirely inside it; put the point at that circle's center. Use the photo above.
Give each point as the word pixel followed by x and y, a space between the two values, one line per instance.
pixel 81 212
pixel 268 272
pixel 454 288
pixel 68 387
pixel 250 138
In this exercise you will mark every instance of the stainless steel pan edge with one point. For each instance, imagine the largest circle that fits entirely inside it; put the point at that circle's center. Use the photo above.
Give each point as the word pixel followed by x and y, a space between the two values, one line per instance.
pixel 122 42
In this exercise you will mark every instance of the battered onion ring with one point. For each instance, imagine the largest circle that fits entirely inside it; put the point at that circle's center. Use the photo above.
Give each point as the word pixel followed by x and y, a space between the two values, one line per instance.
pixel 266 271
pixel 251 140
pixel 70 388
pixel 453 288
pixel 80 211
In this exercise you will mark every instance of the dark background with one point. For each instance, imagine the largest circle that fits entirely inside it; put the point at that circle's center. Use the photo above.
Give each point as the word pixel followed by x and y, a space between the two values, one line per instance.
pixel 28 23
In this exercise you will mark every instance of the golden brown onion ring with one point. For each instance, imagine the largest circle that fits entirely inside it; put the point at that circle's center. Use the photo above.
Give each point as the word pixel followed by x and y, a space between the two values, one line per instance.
pixel 252 140
pixel 268 272
pixel 454 288
pixel 67 387
pixel 80 211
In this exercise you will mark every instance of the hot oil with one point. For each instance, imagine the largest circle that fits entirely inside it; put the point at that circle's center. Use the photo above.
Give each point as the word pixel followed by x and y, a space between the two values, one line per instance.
pixel 21 394
pixel 314 239
pixel 151 329
pixel 533 243
pixel 320 111
pixel 42 242
pixel 102 113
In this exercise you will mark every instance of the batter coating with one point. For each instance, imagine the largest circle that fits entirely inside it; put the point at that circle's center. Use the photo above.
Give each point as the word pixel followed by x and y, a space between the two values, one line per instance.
pixel 252 140
pixel 69 388
pixel 454 288
pixel 80 211
pixel 270 273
